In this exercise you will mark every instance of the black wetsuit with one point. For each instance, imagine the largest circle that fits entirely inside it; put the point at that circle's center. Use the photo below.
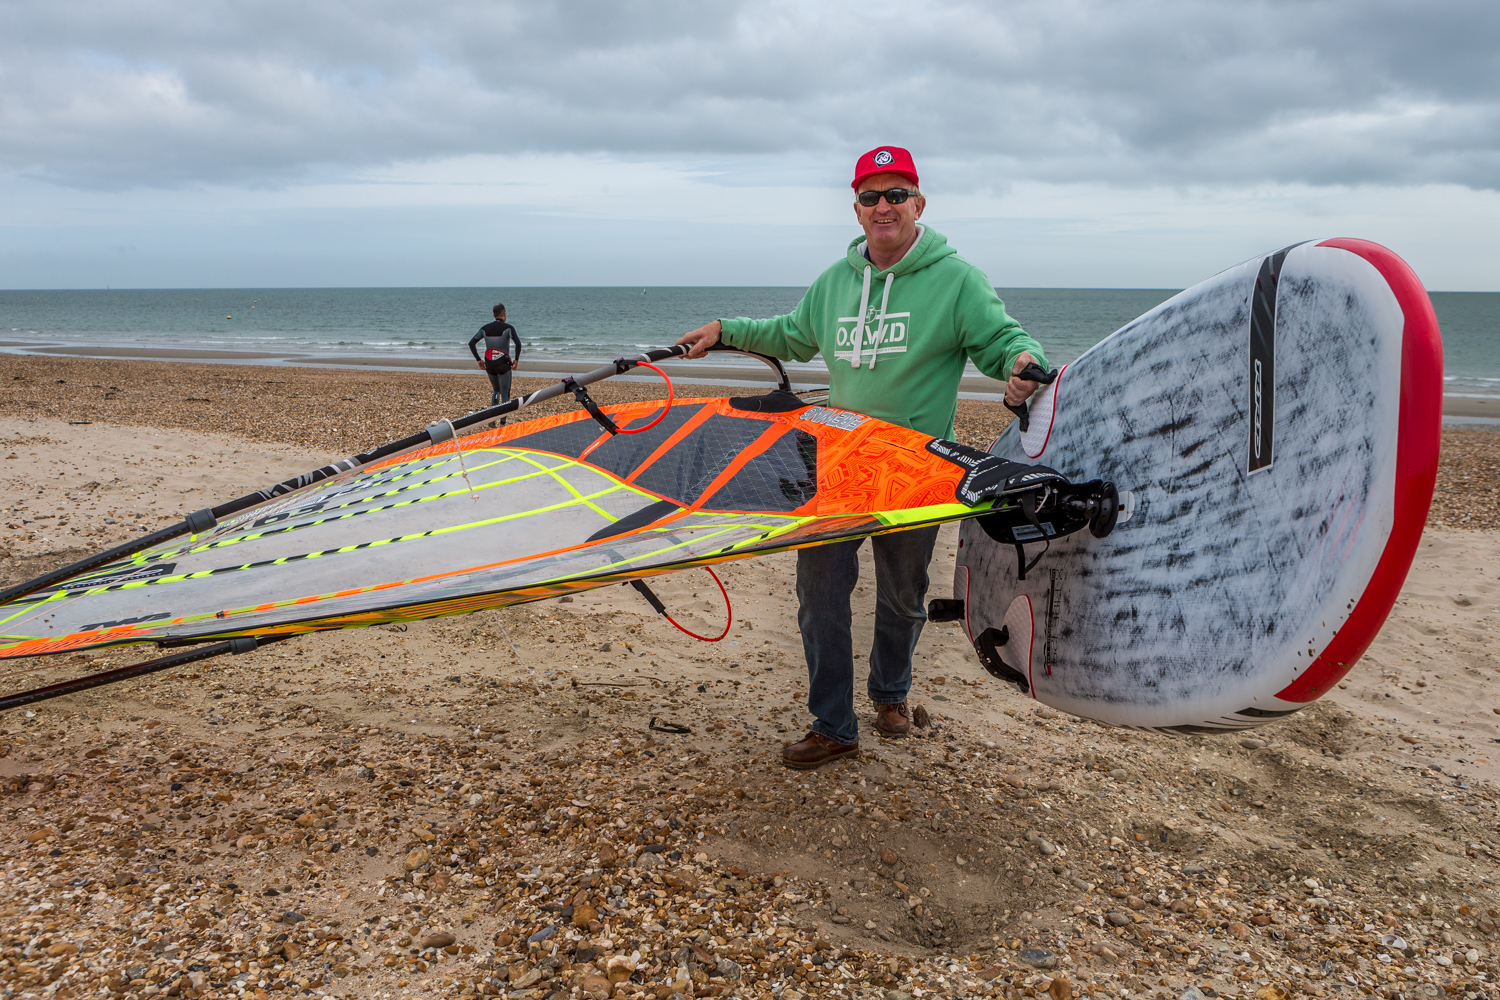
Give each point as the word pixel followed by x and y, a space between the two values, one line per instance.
pixel 498 359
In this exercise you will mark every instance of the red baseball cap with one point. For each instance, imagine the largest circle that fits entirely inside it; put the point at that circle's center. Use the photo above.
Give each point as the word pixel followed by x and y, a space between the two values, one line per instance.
pixel 885 160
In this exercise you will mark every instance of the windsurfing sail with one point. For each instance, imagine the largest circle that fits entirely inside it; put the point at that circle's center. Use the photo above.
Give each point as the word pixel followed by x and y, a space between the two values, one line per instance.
pixel 525 512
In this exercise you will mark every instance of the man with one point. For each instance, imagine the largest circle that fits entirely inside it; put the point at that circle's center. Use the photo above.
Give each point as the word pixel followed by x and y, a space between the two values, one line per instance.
pixel 497 362
pixel 895 321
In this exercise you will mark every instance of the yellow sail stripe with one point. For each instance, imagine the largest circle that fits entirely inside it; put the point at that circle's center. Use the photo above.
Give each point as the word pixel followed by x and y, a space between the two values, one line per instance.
pixel 612 568
pixel 162 556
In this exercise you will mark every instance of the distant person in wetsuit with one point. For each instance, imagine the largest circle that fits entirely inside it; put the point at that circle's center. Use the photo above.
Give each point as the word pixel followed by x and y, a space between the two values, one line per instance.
pixel 498 362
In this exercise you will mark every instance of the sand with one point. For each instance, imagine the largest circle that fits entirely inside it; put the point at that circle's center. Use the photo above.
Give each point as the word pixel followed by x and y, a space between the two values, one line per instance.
pixel 398 787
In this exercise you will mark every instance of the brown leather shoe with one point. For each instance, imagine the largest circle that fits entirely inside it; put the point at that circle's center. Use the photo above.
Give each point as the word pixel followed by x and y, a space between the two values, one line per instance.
pixel 893 720
pixel 815 750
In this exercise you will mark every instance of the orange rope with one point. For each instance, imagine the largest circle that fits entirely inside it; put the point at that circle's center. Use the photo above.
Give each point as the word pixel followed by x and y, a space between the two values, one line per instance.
pixel 664 409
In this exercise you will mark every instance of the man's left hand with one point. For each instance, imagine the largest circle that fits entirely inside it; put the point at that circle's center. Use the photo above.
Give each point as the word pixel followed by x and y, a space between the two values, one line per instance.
pixel 1019 390
pixel 700 340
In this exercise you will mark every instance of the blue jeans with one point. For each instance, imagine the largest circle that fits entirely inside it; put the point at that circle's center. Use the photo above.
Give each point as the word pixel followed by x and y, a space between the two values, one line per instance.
pixel 826 575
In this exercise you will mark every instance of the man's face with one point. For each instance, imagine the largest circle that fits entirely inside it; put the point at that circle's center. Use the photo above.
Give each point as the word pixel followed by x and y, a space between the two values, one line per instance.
pixel 889 226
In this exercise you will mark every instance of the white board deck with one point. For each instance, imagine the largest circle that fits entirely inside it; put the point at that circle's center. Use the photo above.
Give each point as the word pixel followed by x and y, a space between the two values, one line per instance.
pixel 1265 533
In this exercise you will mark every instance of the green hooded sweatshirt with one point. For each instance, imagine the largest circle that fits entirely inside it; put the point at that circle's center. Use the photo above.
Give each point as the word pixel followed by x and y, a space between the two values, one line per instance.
pixel 922 319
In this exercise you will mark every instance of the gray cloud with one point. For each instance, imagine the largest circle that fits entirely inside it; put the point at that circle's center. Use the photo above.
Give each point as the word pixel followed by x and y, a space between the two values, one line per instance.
pixel 152 93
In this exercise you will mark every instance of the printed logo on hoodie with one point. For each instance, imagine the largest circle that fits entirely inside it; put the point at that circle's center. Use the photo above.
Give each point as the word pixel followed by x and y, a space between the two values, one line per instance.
pixel 883 337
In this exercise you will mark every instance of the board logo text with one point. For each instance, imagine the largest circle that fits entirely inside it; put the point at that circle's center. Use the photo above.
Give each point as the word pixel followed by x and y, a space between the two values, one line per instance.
pixel 1261 405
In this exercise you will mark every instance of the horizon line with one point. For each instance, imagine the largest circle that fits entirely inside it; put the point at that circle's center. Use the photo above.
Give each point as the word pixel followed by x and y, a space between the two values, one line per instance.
pixel 509 288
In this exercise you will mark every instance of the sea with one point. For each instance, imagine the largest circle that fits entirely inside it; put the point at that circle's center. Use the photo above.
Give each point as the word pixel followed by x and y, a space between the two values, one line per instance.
pixel 325 325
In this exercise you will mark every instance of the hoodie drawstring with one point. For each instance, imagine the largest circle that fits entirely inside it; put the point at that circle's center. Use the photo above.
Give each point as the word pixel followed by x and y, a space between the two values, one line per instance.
pixel 885 300
pixel 859 324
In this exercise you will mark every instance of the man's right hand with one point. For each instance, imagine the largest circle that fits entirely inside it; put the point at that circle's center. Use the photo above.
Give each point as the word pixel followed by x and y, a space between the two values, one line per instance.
pixel 1018 390
pixel 701 339
pixel 480 364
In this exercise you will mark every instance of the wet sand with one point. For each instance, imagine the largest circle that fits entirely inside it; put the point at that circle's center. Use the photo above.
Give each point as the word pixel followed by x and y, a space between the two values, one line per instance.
pixel 1472 406
pixel 1461 406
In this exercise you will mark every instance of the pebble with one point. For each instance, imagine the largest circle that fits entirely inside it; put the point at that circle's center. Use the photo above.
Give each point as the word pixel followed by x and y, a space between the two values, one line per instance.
pixel 1252 742
pixel 619 968
pixel 1038 958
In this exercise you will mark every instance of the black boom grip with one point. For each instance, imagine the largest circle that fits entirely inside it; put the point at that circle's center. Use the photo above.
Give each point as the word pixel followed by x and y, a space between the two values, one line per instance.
pixel 1033 372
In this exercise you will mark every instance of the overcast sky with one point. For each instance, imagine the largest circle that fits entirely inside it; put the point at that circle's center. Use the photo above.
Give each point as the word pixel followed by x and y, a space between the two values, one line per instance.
pixel 1061 143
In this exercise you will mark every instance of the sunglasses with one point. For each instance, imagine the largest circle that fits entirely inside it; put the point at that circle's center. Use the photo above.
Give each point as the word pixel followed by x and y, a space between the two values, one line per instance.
pixel 894 196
